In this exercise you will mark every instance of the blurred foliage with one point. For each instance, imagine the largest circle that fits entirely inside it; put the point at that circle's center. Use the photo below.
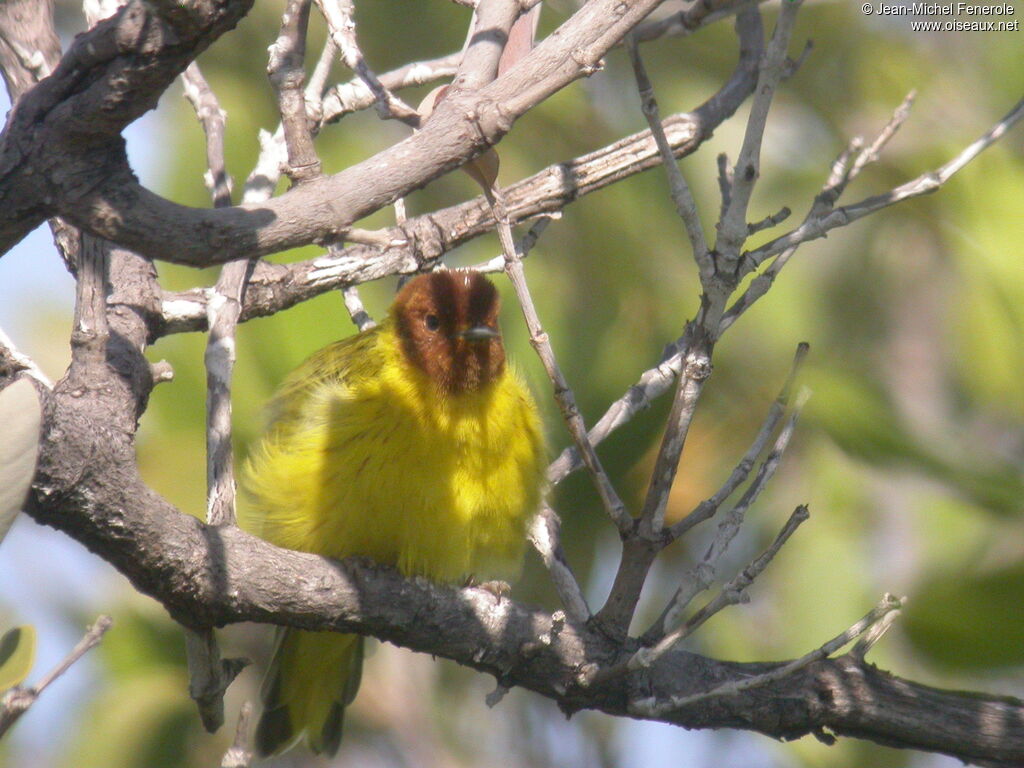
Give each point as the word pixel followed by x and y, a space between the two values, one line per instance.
pixel 909 452
pixel 17 655
pixel 952 620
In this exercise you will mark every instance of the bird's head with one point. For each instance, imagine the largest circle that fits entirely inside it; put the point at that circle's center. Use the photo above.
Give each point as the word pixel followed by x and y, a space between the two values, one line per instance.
pixel 448 325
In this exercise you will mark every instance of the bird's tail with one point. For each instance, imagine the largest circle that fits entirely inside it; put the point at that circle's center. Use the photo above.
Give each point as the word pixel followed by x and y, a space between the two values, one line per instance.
pixel 312 677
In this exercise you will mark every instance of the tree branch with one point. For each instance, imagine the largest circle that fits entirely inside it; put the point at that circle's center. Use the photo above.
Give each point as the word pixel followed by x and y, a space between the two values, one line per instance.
pixel 88 486
pixel 686 206
pixel 16 701
pixel 239 755
pixel 732 228
pixel 423 239
pixel 72 119
pixel 206 576
pixel 886 606
pixel 105 199
pixel 823 217
pixel 339 15
pixel 108 509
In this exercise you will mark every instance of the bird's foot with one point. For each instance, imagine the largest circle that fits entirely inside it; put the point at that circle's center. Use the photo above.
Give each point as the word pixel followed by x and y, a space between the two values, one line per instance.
pixel 500 589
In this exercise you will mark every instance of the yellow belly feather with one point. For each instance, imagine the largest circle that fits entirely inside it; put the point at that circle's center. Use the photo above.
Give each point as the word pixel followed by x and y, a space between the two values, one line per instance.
pixel 366 457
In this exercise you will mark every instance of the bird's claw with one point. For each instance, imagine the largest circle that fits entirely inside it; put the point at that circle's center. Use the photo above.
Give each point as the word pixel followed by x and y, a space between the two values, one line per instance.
pixel 500 589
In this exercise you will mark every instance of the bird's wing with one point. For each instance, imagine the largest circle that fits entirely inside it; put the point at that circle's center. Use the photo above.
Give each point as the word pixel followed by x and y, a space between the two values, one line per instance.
pixel 346 363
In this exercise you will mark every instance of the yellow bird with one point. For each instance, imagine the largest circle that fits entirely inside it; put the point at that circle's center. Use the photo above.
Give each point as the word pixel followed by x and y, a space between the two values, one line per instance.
pixel 412 444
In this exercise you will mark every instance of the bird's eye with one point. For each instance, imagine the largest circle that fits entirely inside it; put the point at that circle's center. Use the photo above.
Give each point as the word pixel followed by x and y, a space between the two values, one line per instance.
pixel 432 322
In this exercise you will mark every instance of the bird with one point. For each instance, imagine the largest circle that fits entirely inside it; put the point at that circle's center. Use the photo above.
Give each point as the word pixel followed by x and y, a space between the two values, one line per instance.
pixel 414 444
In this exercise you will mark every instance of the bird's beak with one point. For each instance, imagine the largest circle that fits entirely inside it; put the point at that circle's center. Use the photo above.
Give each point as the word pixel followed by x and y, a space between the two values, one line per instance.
pixel 479 333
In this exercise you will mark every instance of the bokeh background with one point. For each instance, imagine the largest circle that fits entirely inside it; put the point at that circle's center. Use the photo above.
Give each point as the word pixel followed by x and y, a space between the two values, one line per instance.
pixel 909 454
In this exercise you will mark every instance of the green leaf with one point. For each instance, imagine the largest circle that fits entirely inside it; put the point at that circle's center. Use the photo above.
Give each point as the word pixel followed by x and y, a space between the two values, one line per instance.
pixel 863 423
pixel 17 655
pixel 21 416
pixel 969 622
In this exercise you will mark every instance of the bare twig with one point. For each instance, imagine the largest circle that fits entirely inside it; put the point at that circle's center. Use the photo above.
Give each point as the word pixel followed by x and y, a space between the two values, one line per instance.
pixel 871 153
pixel 875 633
pixel 332 106
pixel 696 370
pixel 355 308
pixel 724 183
pixel 212 118
pixel 924 184
pixel 769 221
pixel 239 755
pixel 355 95
pixel 651 708
pixel 652 383
pixel 709 507
pixel 732 229
pixel 839 176
pixel 209 675
pixel 699 343
pixel 563 394
pixel 686 207
pixel 339 15
pixel 523 247
pixel 323 108
pixel 350 293
pixel 545 535
pixel 851 161
pixel 287 75
pixel 223 308
pixel 843 171
pixel 262 180
pixel 315 88
pixel 700 577
pixel 731 594
pixel 791 66
pixel 687 21
pixel 17 700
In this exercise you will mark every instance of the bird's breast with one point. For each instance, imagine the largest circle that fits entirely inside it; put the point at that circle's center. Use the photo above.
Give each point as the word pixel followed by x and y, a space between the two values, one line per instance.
pixel 437 485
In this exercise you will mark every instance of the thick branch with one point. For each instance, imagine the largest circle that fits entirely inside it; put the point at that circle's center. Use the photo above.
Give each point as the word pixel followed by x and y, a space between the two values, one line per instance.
pixel 89 488
pixel 425 238
pixel 28 43
pixel 62 140
pixel 103 197
pixel 88 484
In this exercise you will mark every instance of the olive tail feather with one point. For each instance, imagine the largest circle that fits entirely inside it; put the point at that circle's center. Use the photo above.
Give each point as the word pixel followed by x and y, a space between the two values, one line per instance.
pixel 312 678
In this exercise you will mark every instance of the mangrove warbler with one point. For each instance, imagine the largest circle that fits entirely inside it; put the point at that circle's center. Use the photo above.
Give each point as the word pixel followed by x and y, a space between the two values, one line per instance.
pixel 412 444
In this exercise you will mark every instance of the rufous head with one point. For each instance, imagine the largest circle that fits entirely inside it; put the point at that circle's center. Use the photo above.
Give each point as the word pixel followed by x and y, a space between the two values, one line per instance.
pixel 448 324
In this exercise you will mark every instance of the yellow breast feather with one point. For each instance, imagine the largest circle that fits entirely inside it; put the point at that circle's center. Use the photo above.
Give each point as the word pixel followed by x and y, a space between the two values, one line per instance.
pixel 413 444
pixel 361 458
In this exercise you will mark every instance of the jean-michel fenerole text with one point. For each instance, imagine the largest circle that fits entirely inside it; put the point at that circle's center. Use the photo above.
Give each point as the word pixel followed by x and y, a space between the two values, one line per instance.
pixel 940 9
